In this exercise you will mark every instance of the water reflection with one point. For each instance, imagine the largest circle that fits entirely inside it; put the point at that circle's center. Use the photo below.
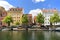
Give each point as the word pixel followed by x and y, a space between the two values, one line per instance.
pixel 29 35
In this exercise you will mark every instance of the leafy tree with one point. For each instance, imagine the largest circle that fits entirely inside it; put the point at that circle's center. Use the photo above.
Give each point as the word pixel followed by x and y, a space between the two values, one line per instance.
pixel 8 20
pixel 40 19
pixel 55 18
pixel 17 23
pixel 24 19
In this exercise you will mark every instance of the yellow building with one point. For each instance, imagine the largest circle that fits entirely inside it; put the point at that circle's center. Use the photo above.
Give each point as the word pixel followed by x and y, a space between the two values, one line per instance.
pixel 16 14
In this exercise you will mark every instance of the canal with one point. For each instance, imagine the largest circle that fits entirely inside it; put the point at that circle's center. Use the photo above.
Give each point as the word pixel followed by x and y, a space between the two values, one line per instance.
pixel 29 35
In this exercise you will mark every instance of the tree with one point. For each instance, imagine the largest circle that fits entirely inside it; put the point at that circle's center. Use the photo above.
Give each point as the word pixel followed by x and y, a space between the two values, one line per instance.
pixel 40 19
pixel 24 19
pixel 55 18
pixel 8 20
pixel 17 23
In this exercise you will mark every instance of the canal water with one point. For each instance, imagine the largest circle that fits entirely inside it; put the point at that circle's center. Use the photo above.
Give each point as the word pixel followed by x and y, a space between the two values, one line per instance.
pixel 29 35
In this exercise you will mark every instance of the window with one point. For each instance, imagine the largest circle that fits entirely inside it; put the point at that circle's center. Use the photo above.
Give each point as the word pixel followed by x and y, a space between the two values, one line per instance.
pixel 45 22
pixel 45 19
pixel 4 14
pixel 12 9
pixel 48 22
pixel 48 19
pixel 0 15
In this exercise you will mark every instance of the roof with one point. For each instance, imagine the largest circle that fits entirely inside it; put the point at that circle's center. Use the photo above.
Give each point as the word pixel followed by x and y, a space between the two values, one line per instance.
pixel 49 10
pixel 16 9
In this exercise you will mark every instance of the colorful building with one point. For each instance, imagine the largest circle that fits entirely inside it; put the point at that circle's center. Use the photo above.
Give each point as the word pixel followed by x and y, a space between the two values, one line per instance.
pixel 16 14
pixel 3 14
pixel 47 13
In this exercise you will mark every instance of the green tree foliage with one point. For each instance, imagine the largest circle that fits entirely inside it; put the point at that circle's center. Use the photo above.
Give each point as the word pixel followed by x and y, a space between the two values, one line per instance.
pixel 55 18
pixel 17 23
pixel 24 19
pixel 40 18
pixel 8 20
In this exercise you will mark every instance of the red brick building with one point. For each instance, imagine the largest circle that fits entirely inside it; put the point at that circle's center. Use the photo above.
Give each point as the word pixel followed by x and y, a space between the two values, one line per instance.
pixel 29 18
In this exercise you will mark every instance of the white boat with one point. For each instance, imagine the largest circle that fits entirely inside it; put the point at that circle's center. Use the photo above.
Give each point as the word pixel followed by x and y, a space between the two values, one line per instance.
pixel 15 28
pixel 5 29
pixel 57 29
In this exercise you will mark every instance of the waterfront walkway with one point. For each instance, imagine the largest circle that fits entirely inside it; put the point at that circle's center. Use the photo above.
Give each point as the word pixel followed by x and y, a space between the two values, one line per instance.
pixel 30 29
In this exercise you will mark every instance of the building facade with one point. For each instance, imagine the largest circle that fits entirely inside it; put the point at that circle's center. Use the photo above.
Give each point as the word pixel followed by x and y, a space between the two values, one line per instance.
pixel 35 19
pixel 3 14
pixel 47 13
pixel 29 16
pixel 16 14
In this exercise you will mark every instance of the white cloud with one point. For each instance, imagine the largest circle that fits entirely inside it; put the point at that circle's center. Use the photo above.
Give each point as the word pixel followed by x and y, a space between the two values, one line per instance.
pixel 5 4
pixel 36 1
pixel 35 12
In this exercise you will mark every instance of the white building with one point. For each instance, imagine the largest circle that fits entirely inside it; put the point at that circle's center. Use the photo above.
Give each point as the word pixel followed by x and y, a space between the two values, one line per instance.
pixel 47 13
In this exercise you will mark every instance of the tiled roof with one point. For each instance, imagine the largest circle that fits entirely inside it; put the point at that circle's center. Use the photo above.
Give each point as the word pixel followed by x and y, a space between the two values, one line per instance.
pixel 16 9
pixel 49 10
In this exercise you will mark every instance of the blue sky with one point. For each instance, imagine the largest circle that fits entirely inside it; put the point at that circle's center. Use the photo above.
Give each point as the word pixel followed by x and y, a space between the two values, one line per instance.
pixel 35 4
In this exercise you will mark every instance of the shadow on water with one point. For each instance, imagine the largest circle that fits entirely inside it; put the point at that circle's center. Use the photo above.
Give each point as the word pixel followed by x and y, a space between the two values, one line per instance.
pixel 29 35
